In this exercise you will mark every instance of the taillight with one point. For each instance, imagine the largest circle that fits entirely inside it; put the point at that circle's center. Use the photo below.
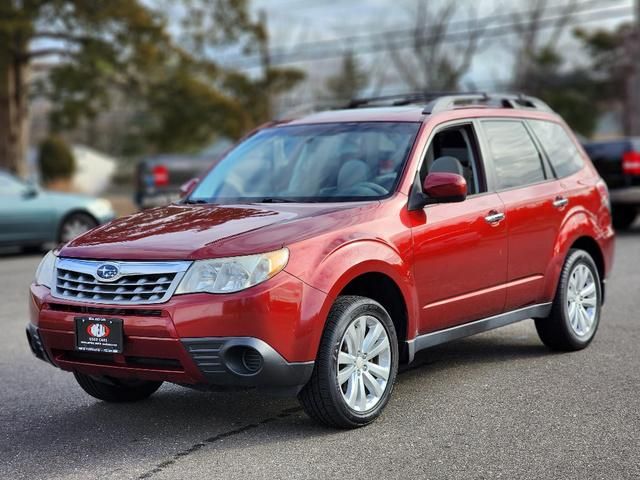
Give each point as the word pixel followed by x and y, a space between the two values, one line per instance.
pixel 160 176
pixel 631 163
pixel 603 190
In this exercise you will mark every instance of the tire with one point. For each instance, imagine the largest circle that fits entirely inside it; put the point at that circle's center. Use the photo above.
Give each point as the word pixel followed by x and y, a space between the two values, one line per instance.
pixel 562 330
pixel 32 249
pixel 323 398
pixel 115 390
pixel 623 216
pixel 75 224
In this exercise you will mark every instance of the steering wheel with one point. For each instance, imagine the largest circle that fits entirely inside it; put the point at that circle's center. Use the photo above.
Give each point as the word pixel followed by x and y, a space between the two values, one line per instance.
pixel 358 187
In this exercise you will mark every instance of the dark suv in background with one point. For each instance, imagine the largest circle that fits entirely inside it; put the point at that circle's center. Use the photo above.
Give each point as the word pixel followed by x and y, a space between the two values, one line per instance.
pixel 159 177
pixel 618 162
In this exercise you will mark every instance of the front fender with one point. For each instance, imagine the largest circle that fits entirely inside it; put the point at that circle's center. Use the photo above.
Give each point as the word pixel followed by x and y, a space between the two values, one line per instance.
pixel 340 265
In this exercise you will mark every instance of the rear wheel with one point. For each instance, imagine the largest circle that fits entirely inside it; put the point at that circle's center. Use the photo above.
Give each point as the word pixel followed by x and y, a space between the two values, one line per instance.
pixel 116 390
pixel 74 225
pixel 623 216
pixel 575 314
pixel 356 366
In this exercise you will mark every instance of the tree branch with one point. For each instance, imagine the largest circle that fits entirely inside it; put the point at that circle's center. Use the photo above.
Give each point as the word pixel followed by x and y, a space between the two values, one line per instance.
pixel 57 35
pixel 46 52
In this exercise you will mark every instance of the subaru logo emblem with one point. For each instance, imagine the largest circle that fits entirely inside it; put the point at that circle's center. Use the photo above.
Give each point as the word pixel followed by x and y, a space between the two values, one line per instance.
pixel 107 271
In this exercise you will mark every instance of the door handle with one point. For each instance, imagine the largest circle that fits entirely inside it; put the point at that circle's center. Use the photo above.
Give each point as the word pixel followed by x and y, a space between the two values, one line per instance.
pixel 494 217
pixel 560 202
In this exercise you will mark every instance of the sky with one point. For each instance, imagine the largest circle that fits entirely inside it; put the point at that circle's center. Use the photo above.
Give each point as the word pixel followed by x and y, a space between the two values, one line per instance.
pixel 298 26
pixel 295 22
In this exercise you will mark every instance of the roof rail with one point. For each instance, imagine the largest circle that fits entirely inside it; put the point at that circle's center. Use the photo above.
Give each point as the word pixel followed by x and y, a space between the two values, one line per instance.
pixel 494 100
pixel 398 99
pixel 442 101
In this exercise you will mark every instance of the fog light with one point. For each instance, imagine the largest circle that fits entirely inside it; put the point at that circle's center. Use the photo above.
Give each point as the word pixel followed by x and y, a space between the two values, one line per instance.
pixel 251 360
pixel 243 360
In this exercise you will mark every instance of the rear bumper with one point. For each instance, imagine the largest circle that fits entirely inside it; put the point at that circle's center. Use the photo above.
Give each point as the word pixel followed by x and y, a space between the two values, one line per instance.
pixel 157 199
pixel 625 196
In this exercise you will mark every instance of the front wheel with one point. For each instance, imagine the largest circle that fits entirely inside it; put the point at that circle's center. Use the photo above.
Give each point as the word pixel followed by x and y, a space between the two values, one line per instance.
pixel 74 225
pixel 356 366
pixel 575 313
pixel 115 390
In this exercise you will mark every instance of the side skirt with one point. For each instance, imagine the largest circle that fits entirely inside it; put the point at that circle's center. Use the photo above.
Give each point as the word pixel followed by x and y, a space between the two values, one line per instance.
pixel 467 329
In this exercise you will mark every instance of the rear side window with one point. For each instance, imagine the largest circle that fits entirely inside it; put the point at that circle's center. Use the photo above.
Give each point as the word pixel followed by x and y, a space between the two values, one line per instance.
pixel 562 152
pixel 516 159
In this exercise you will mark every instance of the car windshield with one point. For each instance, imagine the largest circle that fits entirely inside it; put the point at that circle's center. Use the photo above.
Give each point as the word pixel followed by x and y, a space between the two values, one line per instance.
pixel 10 185
pixel 311 163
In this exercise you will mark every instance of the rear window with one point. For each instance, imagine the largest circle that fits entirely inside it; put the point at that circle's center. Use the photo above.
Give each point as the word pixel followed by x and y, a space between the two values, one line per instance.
pixel 516 159
pixel 562 152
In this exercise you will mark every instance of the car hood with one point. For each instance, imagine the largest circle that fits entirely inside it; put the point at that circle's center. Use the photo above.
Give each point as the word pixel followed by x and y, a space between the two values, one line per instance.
pixel 190 232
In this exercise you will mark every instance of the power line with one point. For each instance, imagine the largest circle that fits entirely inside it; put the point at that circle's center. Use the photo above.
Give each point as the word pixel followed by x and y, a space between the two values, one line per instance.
pixel 586 4
pixel 401 39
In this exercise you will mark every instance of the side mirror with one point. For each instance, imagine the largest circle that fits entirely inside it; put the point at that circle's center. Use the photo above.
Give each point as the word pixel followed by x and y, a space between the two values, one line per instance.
pixel 30 191
pixel 444 187
pixel 186 188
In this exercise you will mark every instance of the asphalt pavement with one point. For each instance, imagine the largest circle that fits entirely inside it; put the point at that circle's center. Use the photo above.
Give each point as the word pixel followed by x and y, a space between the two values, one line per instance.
pixel 498 405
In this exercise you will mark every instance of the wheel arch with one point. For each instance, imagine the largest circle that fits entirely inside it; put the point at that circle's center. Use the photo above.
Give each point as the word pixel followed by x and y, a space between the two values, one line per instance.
pixel 578 231
pixel 384 290
pixel 68 214
pixel 589 245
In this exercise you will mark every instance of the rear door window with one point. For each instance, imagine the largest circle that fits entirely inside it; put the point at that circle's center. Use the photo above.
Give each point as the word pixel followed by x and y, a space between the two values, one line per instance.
pixel 516 159
pixel 564 156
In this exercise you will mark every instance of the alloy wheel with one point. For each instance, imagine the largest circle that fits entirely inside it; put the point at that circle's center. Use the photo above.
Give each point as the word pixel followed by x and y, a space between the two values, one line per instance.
pixel 74 227
pixel 364 363
pixel 582 300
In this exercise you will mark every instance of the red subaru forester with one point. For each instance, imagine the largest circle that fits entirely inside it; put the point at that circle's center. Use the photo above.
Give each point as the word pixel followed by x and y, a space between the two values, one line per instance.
pixel 320 253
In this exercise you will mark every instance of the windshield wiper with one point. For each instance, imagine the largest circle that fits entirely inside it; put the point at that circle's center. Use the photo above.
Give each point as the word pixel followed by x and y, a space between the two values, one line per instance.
pixel 197 201
pixel 276 200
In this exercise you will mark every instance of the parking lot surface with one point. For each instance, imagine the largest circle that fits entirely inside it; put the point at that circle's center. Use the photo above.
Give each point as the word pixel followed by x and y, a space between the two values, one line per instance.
pixel 498 405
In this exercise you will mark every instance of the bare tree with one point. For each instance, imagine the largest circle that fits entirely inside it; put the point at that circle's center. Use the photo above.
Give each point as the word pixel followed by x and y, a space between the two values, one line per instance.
pixel 437 58
pixel 537 34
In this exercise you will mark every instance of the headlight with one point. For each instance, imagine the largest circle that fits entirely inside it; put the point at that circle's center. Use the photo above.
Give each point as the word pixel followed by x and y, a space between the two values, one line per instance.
pixel 232 274
pixel 101 208
pixel 45 271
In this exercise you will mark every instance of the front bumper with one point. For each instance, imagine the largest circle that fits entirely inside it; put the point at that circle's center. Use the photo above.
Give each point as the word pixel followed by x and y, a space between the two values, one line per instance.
pixel 266 337
pixel 223 362
pixel 245 362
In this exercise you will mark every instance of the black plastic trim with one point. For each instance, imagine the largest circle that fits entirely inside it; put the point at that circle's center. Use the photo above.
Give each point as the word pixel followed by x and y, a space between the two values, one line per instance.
pixel 214 356
pixel 465 330
pixel 36 345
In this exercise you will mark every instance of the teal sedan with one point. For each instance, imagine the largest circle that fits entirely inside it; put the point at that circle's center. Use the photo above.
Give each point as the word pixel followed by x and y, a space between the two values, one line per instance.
pixel 31 217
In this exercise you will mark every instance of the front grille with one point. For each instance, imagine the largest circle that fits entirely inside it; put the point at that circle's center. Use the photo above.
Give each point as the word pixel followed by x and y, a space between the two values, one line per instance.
pixel 135 282
pixel 133 288
pixel 111 312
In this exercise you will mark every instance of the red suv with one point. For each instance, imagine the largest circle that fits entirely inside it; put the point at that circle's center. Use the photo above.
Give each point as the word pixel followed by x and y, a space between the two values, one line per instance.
pixel 321 252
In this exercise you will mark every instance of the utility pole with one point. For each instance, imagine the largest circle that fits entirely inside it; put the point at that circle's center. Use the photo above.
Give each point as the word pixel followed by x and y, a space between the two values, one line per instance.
pixel 635 83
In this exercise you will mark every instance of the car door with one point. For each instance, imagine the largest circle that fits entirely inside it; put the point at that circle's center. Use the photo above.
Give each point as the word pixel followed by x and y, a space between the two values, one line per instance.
pixel 24 216
pixel 534 206
pixel 460 249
